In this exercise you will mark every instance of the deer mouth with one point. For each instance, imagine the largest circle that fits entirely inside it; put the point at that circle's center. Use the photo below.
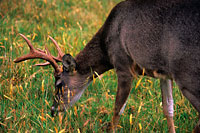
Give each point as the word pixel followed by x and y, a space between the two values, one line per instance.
pixel 66 98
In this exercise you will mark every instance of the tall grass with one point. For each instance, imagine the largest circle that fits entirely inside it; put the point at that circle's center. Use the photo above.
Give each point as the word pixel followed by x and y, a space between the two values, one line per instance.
pixel 26 92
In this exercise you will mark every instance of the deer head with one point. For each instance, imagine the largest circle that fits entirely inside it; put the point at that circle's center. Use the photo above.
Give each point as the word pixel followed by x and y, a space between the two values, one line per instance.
pixel 69 84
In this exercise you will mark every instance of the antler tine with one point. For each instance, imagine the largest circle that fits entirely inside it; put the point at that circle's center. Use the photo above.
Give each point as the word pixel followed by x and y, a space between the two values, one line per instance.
pixel 58 58
pixel 42 64
pixel 60 53
pixel 28 42
pixel 38 54
pixel 46 63
pixel 25 57
pixel 48 53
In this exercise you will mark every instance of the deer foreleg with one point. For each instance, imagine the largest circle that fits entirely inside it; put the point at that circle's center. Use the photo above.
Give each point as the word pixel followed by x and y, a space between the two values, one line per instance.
pixel 124 87
pixel 167 101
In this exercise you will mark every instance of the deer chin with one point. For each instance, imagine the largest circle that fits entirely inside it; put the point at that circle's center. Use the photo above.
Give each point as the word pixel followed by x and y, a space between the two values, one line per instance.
pixel 67 102
pixel 77 96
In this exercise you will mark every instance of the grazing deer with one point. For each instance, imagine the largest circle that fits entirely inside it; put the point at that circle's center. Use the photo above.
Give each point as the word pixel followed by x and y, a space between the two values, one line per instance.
pixel 160 36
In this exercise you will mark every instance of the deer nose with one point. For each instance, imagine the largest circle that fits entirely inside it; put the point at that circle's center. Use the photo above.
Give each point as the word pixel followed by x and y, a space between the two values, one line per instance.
pixel 53 111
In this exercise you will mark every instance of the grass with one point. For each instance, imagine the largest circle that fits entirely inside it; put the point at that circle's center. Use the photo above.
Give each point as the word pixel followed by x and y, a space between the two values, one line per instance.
pixel 26 92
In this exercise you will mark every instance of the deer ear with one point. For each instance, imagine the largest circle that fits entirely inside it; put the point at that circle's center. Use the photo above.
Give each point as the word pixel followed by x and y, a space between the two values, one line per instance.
pixel 69 64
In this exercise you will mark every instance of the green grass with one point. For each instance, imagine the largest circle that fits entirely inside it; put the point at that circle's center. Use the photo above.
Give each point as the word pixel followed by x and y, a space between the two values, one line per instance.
pixel 26 92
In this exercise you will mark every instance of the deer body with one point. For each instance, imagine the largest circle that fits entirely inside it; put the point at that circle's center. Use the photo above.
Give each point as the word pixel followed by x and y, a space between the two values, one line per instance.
pixel 162 37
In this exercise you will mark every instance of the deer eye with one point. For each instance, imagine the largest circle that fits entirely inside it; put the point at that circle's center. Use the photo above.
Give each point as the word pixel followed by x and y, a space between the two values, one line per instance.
pixel 59 83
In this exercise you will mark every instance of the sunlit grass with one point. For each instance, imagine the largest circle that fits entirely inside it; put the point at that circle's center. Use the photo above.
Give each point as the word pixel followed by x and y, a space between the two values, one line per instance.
pixel 26 92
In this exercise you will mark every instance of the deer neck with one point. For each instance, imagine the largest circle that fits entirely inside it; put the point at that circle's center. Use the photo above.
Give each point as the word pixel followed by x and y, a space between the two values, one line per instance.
pixel 93 57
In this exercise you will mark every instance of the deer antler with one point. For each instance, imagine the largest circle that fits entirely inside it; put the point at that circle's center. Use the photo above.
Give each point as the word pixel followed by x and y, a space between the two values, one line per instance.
pixel 40 54
pixel 58 58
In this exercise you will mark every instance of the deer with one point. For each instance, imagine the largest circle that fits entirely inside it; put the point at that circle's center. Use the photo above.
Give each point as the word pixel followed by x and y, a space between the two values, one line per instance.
pixel 161 37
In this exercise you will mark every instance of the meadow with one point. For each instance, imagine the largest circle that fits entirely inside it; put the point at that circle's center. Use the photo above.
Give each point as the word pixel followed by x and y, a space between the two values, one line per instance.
pixel 26 92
